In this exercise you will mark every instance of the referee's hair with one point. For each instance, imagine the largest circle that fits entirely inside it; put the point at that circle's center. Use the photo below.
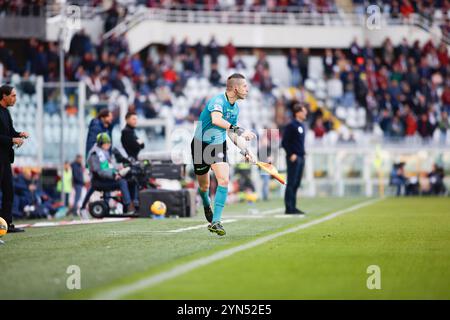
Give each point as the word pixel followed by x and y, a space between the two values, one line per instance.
pixel 231 81
pixel 103 113
pixel 5 90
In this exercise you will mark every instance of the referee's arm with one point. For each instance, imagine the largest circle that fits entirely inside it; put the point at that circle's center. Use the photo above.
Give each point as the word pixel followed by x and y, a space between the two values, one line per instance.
pixel 218 120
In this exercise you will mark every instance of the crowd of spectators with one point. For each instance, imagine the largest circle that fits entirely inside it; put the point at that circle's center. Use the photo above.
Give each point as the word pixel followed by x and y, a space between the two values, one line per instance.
pixel 25 8
pixel 404 8
pixel 405 88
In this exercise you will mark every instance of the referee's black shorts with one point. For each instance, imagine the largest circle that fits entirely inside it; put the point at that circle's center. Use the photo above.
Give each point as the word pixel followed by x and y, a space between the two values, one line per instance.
pixel 205 154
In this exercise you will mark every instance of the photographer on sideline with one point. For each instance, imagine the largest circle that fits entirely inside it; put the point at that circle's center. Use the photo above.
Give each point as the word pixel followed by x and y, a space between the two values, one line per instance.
pixel 132 146
pixel 103 176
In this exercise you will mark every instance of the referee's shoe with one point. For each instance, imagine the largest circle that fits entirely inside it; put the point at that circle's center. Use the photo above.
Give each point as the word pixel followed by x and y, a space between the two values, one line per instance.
pixel 217 228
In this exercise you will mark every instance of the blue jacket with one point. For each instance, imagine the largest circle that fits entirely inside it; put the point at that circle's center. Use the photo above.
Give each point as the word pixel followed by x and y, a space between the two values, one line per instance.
pixel 294 139
pixel 96 127
pixel 77 173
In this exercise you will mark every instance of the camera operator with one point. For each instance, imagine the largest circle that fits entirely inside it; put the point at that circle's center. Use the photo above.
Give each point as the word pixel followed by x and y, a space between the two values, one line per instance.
pixel 103 176
pixel 132 146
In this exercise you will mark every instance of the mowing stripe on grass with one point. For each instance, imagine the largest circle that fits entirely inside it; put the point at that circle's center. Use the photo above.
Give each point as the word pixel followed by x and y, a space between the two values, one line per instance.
pixel 150 281
pixel 204 225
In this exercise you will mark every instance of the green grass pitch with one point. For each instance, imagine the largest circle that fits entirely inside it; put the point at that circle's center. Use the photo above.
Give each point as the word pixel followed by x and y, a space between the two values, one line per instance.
pixel 407 238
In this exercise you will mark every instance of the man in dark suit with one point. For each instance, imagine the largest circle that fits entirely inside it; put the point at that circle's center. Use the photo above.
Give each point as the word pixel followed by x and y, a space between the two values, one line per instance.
pixel 130 141
pixel 9 137
pixel 294 144
pixel 132 146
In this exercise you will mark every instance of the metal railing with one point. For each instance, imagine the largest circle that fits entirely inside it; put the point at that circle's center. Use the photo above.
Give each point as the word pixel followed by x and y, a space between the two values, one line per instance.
pixel 234 16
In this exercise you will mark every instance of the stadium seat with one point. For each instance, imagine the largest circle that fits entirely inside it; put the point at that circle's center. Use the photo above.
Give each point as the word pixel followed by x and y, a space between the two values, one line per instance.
pixel 310 85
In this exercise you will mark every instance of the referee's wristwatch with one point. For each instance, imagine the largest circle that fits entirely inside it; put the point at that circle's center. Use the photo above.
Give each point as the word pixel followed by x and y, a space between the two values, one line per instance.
pixel 236 129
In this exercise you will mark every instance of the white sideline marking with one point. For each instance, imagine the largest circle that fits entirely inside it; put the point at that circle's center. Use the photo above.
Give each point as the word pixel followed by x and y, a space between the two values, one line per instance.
pixel 260 215
pixel 277 210
pixel 150 281
pixel 282 216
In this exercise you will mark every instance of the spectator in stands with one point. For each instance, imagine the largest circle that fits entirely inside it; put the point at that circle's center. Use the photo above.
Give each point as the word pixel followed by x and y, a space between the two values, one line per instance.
pixel 396 129
pixel 170 76
pixel 230 53
pixel 215 76
pixel 266 85
pixel 240 64
pixel 424 127
pixel 318 128
pixel 294 67
pixel 77 181
pixel 355 50
pixel 406 9
pixel 26 85
pixel 410 122
pixel 80 44
pixel 93 83
pixel 214 50
pixel 335 89
pixel 172 48
pixel 385 122
pixel 444 126
pixel 112 17
pixel 348 100
pixel 446 97
pixel 200 54
pixel 7 58
pixel 388 53
pixel 372 108
pixel 98 125
pixel 329 62
pixel 303 60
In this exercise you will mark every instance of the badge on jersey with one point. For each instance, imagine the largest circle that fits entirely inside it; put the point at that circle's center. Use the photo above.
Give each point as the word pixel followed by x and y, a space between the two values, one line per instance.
pixel 300 130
